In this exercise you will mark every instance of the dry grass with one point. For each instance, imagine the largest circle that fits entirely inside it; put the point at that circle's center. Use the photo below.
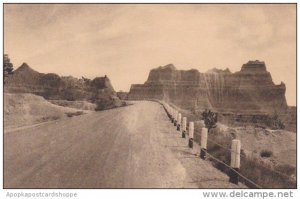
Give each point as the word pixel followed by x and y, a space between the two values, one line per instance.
pixel 264 175
pixel 254 169
pixel 48 118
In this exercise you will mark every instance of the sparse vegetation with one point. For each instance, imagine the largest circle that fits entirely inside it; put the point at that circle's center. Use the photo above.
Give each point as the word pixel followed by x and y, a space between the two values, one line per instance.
pixel 274 122
pixel 103 103
pixel 48 118
pixel 7 66
pixel 210 119
pixel 108 103
pixel 254 169
pixel 264 175
pixel 287 169
pixel 266 153
pixel 219 152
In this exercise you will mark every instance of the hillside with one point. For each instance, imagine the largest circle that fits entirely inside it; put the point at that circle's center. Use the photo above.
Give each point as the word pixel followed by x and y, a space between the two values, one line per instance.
pixel 53 87
pixel 28 109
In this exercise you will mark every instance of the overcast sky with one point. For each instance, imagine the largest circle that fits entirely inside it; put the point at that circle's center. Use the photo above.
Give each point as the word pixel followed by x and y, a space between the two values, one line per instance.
pixel 126 41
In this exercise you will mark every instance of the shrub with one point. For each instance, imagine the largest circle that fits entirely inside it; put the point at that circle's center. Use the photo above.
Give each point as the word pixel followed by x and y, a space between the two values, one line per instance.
pixel 210 119
pixel 220 152
pixel 274 122
pixel 108 102
pixel 266 153
pixel 48 118
pixel 286 169
pixel 264 175
pixel 103 104
pixel 252 168
pixel 7 66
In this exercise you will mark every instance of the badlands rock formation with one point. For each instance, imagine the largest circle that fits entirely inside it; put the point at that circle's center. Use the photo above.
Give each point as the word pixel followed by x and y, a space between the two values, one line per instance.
pixel 122 95
pixel 251 90
pixel 53 87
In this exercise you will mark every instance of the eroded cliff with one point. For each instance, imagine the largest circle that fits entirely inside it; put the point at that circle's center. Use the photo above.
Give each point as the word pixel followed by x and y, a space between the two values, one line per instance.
pixel 251 90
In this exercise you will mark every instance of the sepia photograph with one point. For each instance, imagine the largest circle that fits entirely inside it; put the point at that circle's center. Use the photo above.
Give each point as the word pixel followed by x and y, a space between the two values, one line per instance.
pixel 150 96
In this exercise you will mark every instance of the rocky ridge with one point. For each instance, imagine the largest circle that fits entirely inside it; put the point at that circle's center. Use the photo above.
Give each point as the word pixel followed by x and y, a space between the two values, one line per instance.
pixel 53 87
pixel 250 90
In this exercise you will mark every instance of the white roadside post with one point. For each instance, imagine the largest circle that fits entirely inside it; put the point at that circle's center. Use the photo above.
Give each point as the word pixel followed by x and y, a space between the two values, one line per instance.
pixel 172 115
pixel 235 161
pixel 191 134
pixel 183 127
pixel 203 143
pixel 179 122
pixel 202 124
pixel 176 117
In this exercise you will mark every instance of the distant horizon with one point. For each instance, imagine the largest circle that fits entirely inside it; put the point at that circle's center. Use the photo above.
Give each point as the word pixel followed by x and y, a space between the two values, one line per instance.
pixel 126 41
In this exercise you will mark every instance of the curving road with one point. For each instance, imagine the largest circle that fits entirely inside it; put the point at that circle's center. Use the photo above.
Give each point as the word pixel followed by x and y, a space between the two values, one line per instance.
pixel 129 147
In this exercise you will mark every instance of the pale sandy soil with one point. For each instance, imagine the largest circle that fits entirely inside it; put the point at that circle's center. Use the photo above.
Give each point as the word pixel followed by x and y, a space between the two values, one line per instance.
pixel 128 147
pixel 281 143
pixel 82 105
pixel 27 109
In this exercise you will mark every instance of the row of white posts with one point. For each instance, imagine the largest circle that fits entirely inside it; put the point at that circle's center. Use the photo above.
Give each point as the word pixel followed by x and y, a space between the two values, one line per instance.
pixel 181 125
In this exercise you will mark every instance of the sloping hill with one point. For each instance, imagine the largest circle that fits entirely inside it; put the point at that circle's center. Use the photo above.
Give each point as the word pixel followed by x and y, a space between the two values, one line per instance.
pixel 27 109
pixel 25 74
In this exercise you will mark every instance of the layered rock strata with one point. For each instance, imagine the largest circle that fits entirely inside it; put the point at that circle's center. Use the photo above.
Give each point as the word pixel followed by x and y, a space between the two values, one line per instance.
pixel 250 90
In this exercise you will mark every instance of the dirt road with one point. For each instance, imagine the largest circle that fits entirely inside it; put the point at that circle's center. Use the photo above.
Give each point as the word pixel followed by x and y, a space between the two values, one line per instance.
pixel 129 147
